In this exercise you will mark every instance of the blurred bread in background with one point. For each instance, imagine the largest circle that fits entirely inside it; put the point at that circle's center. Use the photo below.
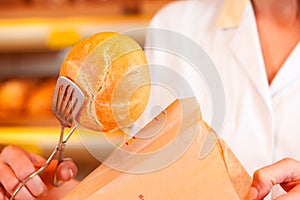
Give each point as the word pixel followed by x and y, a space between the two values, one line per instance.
pixel 26 101
pixel 13 95
pixel 40 100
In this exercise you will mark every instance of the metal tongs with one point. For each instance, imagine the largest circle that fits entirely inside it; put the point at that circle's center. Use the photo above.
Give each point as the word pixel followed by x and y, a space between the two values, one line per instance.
pixel 67 101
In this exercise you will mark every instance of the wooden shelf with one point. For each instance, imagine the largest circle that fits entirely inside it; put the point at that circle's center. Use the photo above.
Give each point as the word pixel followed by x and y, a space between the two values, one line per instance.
pixel 39 27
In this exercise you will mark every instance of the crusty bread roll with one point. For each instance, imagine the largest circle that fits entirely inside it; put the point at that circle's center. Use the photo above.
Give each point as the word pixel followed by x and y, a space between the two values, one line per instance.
pixel 111 69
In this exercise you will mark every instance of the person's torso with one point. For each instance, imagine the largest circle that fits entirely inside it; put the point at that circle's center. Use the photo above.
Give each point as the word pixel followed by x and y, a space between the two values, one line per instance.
pixel 261 121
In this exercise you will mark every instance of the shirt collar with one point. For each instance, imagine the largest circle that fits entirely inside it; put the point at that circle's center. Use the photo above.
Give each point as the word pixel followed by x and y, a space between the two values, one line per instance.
pixel 231 13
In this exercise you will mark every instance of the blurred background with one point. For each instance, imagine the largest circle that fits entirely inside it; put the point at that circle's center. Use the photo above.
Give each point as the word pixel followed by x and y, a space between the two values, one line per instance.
pixel 35 36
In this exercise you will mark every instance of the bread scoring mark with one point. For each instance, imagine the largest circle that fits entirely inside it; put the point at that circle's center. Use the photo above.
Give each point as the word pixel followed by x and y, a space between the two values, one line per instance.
pixel 90 105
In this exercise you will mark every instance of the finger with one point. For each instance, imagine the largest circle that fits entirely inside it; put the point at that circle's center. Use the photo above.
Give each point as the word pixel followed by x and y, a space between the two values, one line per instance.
pixel 2 193
pixel 284 171
pixel 3 197
pixel 293 194
pixel 288 186
pixel 10 183
pixel 251 194
pixel 37 160
pixel 22 166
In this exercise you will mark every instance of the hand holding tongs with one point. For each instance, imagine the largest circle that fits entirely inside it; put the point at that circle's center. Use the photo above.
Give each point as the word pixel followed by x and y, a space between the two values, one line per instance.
pixel 67 101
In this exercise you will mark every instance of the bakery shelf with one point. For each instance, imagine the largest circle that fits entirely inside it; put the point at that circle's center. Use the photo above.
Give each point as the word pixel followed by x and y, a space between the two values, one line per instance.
pixel 36 25
pixel 43 34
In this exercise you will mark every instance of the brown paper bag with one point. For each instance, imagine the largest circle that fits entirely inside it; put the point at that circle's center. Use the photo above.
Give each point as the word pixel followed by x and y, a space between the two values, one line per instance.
pixel 167 165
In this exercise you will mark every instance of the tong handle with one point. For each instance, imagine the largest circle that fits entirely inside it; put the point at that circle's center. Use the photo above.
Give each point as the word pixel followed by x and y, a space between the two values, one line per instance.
pixel 58 149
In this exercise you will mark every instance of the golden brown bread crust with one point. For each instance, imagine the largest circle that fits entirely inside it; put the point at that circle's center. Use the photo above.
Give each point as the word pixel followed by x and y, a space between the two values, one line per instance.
pixel 112 71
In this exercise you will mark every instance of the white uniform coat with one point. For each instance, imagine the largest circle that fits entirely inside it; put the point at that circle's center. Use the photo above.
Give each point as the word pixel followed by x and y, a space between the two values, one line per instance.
pixel 262 121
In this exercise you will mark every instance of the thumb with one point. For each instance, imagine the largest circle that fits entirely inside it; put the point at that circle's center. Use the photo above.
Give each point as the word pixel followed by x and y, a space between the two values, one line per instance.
pixel 281 172
pixel 65 171
pixel 251 194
